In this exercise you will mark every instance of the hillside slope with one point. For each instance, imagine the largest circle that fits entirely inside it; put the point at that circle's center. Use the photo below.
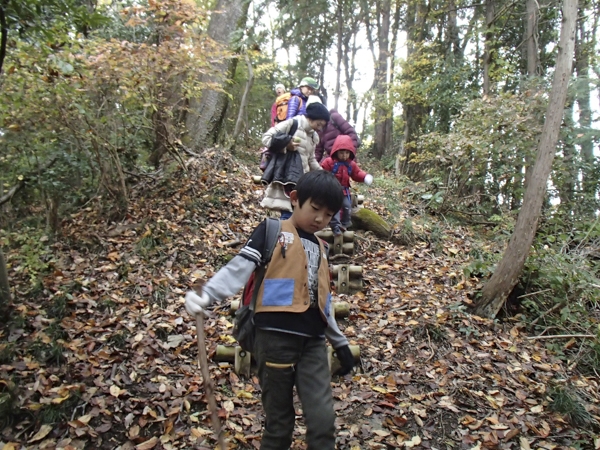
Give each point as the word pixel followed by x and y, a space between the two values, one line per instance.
pixel 102 355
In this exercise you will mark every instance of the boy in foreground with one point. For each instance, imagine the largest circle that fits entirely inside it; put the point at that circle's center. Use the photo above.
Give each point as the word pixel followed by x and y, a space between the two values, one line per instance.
pixel 293 315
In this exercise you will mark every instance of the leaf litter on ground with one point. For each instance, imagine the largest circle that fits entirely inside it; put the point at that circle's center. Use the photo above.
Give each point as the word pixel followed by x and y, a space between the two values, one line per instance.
pixel 125 374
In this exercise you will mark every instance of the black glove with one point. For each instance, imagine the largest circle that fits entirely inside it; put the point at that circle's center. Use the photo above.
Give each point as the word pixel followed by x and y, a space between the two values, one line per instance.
pixel 346 359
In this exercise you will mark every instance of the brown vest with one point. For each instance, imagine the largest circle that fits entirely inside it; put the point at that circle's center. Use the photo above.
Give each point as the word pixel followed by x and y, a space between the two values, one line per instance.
pixel 285 286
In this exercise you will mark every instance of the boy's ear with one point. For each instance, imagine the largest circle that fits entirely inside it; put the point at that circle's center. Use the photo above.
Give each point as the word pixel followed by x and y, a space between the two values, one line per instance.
pixel 294 198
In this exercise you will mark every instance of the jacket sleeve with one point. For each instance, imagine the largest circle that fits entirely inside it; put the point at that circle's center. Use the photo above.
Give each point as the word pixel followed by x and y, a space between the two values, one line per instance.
pixel 320 146
pixel 333 333
pixel 230 279
pixel 293 106
pixel 346 129
pixel 284 127
pixel 358 174
pixel 312 161
pixel 273 113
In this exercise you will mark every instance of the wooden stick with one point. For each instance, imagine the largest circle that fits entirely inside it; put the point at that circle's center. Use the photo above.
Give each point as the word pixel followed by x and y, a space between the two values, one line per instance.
pixel 533 293
pixel 545 313
pixel 562 336
pixel 208 386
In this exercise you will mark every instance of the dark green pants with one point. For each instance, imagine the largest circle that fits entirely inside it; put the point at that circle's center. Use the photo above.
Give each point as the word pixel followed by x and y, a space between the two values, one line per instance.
pixel 285 360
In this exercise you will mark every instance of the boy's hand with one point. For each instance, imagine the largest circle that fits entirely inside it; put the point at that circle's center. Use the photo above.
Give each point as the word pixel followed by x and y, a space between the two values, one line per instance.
pixel 346 358
pixel 369 179
pixel 196 304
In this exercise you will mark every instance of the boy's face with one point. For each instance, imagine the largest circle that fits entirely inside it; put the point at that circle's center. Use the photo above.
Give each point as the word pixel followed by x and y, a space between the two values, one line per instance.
pixel 307 90
pixel 280 91
pixel 343 155
pixel 310 217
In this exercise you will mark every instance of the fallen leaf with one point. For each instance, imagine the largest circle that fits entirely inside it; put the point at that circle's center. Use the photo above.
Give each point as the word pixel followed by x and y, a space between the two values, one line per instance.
pixel 147 445
pixel 41 434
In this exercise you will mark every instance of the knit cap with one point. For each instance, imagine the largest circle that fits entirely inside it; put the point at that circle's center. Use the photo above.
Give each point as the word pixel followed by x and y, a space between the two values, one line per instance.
pixel 279 86
pixel 317 111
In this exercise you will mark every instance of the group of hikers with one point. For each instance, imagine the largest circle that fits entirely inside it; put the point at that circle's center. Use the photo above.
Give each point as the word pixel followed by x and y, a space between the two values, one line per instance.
pixel 315 138
pixel 312 153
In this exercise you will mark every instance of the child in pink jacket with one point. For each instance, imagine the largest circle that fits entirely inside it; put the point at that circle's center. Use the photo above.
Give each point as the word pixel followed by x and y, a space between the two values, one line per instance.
pixel 341 163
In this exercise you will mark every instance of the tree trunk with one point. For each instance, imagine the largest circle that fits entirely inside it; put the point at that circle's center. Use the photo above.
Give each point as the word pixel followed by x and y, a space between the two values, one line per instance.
pixel 507 273
pixel 244 103
pixel 531 37
pixel 583 52
pixel 338 69
pixel 568 170
pixel 4 285
pixel 381 107
pixel 3 35
pixel 488 46
pixel 414 112
pixel 206 113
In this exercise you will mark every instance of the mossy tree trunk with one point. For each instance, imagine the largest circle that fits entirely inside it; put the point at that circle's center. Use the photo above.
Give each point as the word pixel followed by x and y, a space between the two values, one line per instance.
pixel 4 286
pixel 369 220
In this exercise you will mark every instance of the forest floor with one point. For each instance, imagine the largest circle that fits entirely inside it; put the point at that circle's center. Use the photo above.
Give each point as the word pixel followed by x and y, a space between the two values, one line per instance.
pixel 101 354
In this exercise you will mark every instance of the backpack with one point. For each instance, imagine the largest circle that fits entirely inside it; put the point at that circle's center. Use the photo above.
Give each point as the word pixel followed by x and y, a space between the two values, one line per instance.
pixel 282 106
pixel 243 322
pixel 266 153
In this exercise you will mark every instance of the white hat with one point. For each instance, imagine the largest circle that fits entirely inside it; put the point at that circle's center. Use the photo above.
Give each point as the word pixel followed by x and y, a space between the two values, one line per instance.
pixel 279 86
pixel 313 99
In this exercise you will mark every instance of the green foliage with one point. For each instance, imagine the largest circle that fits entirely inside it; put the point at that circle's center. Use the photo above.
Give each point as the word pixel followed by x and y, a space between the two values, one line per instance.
pixel 35 257
pixel 480 163
pixel 100 105
pixel 566 401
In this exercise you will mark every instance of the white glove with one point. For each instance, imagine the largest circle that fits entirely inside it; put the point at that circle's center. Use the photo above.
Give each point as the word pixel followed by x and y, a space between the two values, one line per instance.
pixel 196 304
pixel 368 179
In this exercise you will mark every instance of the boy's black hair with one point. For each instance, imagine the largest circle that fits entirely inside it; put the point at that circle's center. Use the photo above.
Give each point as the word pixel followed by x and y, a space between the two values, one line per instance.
pixel 322 187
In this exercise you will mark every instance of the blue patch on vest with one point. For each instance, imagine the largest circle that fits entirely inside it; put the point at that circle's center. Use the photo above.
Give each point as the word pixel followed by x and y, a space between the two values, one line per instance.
pixel 278 292
pixel 328 305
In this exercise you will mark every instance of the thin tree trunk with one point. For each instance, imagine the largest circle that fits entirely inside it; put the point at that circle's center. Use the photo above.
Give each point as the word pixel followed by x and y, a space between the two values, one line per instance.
pixel 245 98
pixel 4 285
pixel 506 275
pixel 531 37
pixel 568 172
pixel 338 69
pixel 381 107
pixel 488 46
pixel 3 34
pixel 583 53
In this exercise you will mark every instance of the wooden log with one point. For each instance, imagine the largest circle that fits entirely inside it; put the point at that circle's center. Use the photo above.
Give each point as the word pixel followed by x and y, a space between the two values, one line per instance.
pixel 224 353
pixel 334 363
pixel 353 285
pixel 353 271
pixel 348 248
pixel 242 362
pixel 327 236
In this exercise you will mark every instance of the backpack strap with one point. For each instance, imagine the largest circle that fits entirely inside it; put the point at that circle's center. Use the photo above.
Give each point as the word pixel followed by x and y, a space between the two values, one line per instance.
pixel 336 167
pixel 293 128
pixel 272 232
